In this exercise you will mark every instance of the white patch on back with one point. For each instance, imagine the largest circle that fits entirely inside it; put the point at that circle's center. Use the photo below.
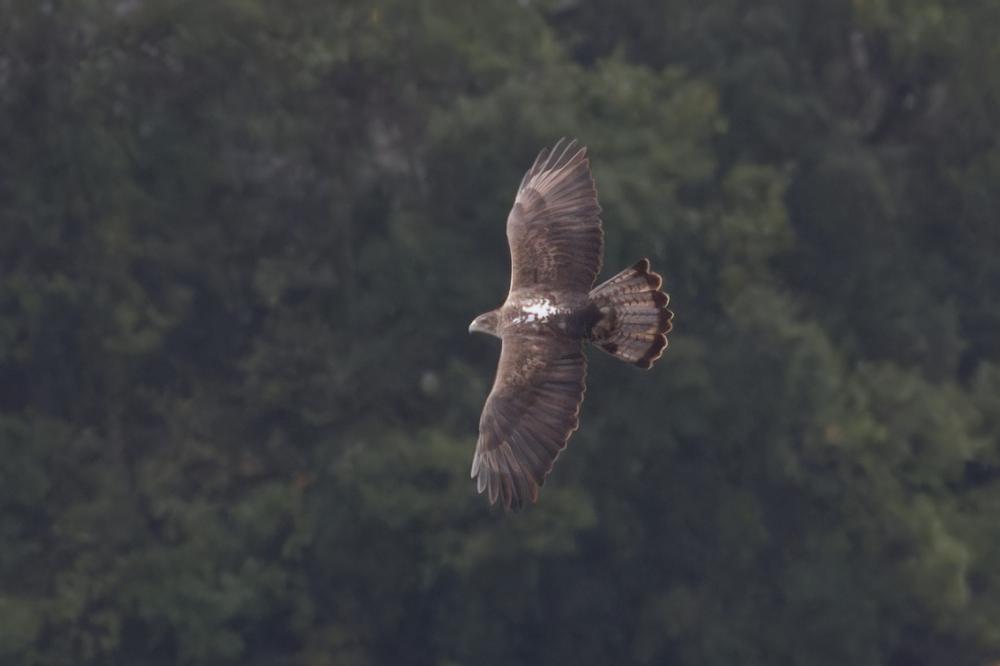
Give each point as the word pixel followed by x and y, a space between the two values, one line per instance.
pixel 536 310
pixel 541 307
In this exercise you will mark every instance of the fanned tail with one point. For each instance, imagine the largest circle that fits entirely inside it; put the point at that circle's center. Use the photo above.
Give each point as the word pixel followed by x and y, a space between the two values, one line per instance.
pixel 634 318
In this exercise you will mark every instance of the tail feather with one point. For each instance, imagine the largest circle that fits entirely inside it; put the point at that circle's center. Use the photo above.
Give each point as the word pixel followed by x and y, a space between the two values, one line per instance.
pixel 634 317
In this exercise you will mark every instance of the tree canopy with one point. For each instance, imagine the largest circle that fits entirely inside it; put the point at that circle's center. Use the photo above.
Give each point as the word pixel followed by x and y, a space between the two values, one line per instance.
pixel 241 242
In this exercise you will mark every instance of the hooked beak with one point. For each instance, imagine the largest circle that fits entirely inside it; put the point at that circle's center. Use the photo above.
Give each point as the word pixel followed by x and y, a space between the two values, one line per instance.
pixel 484 323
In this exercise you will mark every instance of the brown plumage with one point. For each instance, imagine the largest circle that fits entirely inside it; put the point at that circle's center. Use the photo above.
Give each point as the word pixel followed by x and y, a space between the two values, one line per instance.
pixel 556 247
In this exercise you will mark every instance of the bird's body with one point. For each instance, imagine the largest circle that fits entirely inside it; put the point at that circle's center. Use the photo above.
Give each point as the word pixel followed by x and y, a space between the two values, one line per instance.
pixel 551 309
pixel 534 312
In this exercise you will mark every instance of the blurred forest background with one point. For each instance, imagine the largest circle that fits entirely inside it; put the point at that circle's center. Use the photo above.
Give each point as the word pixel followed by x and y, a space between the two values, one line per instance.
pixel 240 245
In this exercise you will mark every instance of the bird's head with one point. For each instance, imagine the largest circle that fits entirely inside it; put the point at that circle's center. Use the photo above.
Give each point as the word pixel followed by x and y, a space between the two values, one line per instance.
pixel 485 323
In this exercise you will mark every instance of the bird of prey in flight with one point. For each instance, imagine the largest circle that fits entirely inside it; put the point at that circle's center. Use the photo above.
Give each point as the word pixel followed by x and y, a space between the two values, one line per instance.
pixel 552 308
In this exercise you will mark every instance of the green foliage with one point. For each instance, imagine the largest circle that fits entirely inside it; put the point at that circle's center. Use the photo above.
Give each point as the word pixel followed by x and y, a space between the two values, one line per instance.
pixel 240 243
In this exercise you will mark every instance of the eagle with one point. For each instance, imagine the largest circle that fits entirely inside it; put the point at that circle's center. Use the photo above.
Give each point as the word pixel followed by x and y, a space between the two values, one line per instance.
pixel 552 309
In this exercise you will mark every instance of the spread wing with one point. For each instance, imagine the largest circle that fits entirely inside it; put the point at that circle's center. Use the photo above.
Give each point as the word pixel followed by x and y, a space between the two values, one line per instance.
pixel 529 415
pixel 553 229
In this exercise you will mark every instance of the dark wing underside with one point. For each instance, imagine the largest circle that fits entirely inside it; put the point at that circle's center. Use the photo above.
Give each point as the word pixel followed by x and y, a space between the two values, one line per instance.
pixel 553 229
pixel 529 415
